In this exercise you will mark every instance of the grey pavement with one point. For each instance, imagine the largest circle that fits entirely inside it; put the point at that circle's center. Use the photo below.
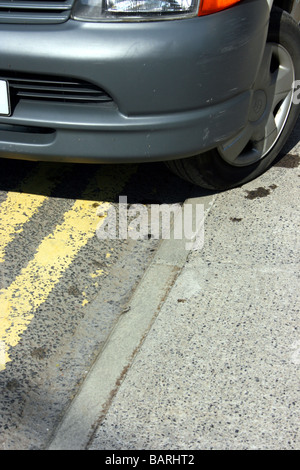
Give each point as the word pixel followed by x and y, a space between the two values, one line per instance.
pixel 212 362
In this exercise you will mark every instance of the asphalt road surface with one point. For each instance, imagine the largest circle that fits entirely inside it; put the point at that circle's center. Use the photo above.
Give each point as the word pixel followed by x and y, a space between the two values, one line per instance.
pixel 52 268
pixel 62 288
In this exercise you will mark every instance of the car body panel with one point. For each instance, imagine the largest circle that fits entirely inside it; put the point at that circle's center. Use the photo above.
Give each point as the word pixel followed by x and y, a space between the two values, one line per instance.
pixel 178 87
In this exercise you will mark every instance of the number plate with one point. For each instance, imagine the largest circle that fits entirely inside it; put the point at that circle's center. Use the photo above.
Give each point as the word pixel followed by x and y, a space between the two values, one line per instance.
pixel 4 98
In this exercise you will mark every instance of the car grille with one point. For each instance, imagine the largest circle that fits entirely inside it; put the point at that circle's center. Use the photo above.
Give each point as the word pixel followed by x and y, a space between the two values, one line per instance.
pixel 35 11
pixel 57 89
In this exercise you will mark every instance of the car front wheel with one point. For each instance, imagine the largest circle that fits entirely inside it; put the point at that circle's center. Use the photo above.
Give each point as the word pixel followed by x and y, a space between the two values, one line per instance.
pixel 271 119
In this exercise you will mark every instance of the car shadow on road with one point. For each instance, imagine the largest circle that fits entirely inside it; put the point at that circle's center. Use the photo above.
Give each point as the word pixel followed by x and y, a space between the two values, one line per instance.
pixel 147 183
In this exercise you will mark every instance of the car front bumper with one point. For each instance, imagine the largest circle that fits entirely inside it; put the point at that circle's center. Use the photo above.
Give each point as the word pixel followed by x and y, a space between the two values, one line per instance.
pixel 178 87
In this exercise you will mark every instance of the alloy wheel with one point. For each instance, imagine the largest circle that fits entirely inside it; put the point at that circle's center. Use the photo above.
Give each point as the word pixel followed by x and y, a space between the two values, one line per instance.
pixel 271 104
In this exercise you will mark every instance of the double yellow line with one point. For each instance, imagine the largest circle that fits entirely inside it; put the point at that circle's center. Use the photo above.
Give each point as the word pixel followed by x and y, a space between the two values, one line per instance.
pixel 56 252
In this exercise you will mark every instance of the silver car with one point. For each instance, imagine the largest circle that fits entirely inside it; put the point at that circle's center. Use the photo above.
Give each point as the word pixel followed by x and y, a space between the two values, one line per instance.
pixel 208 86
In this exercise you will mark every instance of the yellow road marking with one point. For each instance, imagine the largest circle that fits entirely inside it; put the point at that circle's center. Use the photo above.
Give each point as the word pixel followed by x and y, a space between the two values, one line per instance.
pixel 20 205
pixel 55 254
pixel 98 273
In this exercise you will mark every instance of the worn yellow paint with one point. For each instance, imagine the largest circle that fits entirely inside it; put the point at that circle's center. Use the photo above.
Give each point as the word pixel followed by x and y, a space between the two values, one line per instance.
pixel 99 272
pixel 31 288
pixel 35 282
pixel 20 205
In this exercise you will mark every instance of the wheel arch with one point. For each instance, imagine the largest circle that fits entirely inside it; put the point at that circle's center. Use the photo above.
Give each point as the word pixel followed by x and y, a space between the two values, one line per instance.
pixel 291 6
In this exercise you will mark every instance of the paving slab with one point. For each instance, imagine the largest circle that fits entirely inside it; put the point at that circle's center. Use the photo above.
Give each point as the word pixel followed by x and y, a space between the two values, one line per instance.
pixel 219 367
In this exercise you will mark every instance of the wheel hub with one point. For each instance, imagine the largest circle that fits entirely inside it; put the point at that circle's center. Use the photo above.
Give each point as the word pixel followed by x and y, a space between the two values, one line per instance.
pixel 258 107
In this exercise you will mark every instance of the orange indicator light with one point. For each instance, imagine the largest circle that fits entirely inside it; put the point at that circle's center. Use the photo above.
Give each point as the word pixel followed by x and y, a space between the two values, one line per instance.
pixel 212 6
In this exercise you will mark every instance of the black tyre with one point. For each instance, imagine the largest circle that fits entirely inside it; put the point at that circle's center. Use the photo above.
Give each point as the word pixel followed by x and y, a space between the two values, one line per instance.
pixel 271 119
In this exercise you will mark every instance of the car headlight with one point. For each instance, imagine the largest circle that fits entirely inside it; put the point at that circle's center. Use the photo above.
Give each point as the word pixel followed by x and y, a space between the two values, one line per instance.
pixel 120 10
pixel 138 10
